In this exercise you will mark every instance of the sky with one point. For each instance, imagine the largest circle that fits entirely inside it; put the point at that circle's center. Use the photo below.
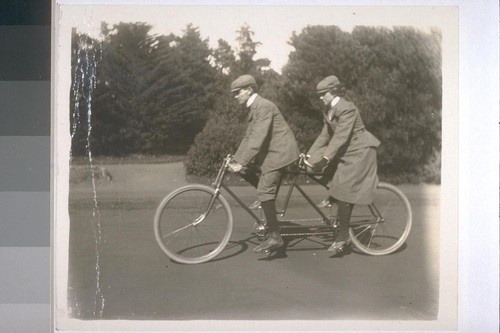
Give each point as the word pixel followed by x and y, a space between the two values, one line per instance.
pixel 272 25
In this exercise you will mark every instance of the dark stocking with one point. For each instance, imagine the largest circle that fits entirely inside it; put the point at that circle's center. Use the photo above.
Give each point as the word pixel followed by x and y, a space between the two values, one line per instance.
pixel 269 208
pixel 344 216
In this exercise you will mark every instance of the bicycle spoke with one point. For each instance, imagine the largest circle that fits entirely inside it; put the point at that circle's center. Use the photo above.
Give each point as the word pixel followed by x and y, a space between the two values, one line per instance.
pixel 363 231
pixel 178 230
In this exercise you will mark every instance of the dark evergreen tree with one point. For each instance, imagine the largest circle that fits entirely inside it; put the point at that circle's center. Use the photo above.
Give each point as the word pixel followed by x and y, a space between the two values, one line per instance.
pixel 153 93
pixel 122 78
pixel 223 57
pixel 180 95
pixel 401 95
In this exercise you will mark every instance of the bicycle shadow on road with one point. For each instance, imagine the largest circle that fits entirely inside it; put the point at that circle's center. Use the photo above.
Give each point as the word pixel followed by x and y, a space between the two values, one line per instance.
pixel 235 248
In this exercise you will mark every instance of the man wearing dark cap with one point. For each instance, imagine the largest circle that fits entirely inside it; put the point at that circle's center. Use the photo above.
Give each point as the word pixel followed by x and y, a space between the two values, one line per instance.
pixel 269 145
pixel 346 149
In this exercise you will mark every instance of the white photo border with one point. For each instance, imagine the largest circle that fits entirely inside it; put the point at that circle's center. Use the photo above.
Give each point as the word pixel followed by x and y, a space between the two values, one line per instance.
pixel 470 97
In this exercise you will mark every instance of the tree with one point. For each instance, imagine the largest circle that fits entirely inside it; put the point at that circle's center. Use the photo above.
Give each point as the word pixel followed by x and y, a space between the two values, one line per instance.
pixel 401 95
pixel 122 78
pixel 180 95
pixel 246 52
pixel 223 57
pixel 153 94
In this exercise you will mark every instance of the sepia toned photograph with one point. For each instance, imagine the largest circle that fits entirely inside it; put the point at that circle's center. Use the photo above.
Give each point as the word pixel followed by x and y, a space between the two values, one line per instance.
pixel 273 167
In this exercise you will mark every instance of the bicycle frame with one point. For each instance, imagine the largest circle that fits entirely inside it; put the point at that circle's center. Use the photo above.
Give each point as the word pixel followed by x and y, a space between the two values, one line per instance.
pixel 367 231
pixel 326 221
pixel 218 183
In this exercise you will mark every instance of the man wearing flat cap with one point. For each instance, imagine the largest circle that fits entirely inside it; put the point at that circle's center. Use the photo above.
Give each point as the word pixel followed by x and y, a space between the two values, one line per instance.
pixel 267 148
pixel 347 150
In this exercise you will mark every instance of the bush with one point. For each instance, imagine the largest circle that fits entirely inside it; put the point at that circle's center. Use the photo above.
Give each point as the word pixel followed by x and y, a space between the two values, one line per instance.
pixel 220 136
pixel 431 172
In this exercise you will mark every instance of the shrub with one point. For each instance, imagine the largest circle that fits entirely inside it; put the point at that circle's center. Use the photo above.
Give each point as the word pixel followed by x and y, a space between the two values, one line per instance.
pixel 220 136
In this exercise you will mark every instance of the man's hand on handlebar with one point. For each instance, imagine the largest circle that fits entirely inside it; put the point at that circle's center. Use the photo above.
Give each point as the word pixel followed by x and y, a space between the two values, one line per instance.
pixel 234 166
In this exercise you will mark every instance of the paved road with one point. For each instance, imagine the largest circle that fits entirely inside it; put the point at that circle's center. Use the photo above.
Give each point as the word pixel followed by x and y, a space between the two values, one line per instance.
pixel 116 270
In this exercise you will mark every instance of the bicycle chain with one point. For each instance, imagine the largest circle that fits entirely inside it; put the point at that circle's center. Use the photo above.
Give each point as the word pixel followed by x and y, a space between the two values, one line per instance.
pixel 331 233
pixel 331 220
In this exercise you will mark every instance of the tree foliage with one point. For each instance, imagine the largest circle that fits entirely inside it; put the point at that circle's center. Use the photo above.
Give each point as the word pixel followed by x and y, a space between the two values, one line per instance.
pixel 138 93
pixel 122 78
pixel 180 95
pixel 153 93
pixel 392 75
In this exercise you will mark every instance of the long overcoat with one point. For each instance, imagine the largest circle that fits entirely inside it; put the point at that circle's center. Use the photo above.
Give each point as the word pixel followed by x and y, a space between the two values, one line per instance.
pixel 352 150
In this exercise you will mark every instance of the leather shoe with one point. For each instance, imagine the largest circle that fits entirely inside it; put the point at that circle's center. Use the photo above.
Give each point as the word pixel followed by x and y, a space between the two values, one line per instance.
pixel 340 247
pixel 255 205
pixel 271 243
pixel 325 203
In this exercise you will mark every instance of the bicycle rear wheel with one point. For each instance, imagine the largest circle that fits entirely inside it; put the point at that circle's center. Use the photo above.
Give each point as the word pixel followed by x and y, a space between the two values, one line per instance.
pixel 383 226
pixel 189 228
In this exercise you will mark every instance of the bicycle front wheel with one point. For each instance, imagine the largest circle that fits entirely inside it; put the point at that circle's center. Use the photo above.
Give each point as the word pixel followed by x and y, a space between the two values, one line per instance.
pixel 383 226
pixel 192 224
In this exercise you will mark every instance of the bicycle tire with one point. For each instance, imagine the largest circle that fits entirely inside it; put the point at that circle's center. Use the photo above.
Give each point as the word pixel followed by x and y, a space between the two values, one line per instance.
pixel 178 233
pixel 388 225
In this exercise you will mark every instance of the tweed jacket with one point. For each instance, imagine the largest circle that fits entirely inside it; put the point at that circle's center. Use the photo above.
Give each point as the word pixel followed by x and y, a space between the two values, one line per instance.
pixel 268 142
pixel 343 131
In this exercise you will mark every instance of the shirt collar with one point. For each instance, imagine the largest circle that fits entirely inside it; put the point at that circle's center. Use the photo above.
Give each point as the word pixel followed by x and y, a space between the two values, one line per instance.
pixel 331 112
pixel 335 101
pixel 251 100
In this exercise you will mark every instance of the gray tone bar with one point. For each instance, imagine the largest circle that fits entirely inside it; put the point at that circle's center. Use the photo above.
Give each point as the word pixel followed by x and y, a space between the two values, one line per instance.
pixel 25 12
pixel 25 275
pixel 24 108
pixel 24 52
pixel 25 219
pixel 23 318
pixel 24 163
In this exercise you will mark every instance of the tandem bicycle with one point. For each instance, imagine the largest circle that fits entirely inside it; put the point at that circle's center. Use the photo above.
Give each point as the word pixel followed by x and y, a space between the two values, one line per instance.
pixel 193 224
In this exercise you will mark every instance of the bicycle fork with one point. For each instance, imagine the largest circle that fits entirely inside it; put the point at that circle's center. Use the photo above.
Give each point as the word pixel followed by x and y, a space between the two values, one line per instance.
pixel 202 217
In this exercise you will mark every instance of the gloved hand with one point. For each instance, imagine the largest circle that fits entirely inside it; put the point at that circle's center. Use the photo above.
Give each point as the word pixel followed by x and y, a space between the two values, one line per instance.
pixel 318 167
pixel 235 167
pixel 306 161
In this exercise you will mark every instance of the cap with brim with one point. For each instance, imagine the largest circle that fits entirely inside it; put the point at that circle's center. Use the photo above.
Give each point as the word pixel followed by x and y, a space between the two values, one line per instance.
pixel 328 83
pixel 242 82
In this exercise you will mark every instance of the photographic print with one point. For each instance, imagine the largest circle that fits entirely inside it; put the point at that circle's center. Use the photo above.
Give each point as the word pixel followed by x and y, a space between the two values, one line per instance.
pixel 255 167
